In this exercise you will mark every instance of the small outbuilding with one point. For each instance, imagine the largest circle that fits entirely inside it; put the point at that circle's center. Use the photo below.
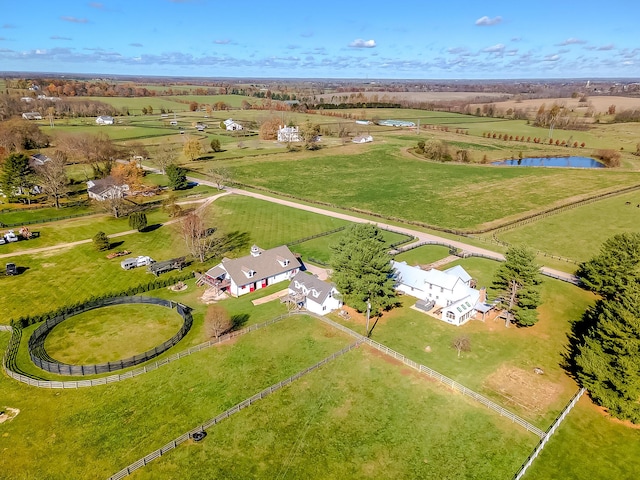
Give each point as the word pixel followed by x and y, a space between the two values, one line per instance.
pixel 104 120
pixel 362 139
pixel 315 295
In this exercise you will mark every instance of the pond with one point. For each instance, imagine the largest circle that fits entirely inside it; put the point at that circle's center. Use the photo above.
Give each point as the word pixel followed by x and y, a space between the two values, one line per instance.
pixel 567 162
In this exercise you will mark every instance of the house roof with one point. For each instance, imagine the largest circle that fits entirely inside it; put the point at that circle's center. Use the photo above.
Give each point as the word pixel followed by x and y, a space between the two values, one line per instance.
pixel 311 287
pixel 38 159
pixel 417 278
pixel 268 264
pixel 465 304
pixel 101 185
pixel 459 272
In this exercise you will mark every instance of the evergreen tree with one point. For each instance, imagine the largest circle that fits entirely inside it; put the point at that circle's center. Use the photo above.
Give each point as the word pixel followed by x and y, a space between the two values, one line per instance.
pixel 177 177
pixel 101 241
pixel 518 278
pixel 362 269
pixel 614 268
pixel 607 360
pixel 138 220
pixel 16 175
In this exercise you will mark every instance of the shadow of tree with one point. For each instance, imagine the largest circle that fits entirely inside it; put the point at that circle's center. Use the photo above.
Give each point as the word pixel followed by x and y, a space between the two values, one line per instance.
pixel 239 320
pixel 234 241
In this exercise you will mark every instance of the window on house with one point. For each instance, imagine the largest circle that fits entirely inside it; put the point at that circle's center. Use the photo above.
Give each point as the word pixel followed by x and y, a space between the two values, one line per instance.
pixel 441 290
pixel 451 315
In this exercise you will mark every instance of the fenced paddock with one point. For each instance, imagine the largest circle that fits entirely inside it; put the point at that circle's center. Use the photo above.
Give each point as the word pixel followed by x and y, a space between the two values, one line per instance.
pixel 42 360
pixel 226 414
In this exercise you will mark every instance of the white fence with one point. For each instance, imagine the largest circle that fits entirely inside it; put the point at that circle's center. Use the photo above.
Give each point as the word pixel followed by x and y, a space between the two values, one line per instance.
pixel 130 374
pixel 438 376
pixel 550 432
pixel 224 415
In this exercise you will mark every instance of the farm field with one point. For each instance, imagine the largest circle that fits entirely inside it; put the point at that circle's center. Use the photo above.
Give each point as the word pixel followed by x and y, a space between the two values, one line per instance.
pixel 577 233
pixel 378 180
pixel 362 416
pixel 93 432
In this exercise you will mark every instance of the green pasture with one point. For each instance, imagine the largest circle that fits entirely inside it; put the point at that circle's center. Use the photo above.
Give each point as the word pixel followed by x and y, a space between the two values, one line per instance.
pixel 111 333
pixel 235 101
pixel 448 195
pixel 577 233
pixel 359 417
pixel 319 248
pixel 135 104
pixel 495 350
pixel 423 255
pixel 93 432
pixel 589 445
pixel 22 215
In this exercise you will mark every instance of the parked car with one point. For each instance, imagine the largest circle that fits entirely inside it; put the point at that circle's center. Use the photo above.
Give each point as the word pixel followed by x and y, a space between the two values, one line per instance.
pixel 11 269
pixel 140 261
pixel 10 236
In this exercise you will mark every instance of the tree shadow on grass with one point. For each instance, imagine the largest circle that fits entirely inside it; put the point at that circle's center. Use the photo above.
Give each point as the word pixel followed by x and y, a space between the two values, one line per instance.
pixel 113 245
pixel 238 321
pixel 235 241
pixel 151 228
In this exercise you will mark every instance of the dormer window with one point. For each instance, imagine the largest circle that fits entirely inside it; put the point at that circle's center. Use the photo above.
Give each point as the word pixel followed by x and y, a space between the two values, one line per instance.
pixel 283 261
pixel 248 272
pixel 315 293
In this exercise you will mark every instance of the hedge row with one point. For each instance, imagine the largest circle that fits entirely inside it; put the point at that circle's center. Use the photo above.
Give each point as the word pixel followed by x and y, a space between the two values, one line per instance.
pixel 154 284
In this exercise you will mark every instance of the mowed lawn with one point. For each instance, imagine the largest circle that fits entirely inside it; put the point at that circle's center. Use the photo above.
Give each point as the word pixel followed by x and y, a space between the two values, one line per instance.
pixel 93 432
pixel 377 179
pixel 360 417
pixel 501 361
pixel 579 232
pixel 111 333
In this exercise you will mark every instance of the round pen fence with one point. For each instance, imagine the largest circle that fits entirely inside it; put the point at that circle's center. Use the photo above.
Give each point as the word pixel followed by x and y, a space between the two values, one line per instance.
pixel 41 358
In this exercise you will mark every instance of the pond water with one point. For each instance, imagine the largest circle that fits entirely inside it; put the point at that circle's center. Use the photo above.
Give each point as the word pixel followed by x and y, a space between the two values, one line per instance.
pixel 568 162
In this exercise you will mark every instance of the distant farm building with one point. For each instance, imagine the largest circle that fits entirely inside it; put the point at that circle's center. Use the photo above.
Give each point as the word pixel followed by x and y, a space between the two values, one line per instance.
pixel 362 139
pixel 106 188
pixel 363 122
pixel 38 159
pixel 396 123
pixel 104 120
pixel 288 134
pixel 232 126
pixel 32 116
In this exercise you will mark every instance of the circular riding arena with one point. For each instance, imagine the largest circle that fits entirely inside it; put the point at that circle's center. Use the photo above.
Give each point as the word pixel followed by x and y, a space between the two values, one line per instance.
pixel 41 358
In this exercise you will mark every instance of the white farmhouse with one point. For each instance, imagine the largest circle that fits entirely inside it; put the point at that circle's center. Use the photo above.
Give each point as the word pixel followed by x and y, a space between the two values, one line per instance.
pixel 449 290
pixel 288 134
pixel 106 188
pixel 362 139
pixel 239 276
pixel 32 116
pixel 232 126
pixel 104 120
pixel 313 294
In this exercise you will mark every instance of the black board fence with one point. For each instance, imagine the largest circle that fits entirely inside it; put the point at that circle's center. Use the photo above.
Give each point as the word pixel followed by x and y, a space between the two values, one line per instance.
pixel 41 359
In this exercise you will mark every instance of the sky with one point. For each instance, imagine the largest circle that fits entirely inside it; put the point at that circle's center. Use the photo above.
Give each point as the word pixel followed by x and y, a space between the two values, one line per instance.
pixel 378 39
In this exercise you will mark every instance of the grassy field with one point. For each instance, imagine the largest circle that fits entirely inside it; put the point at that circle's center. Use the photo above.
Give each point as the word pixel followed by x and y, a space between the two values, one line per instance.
pixel 589 445
pixel 111 333
pixel 93 432
pixel 423 255
pixel 578 233
pixel 498 355
pixel 377 179
pixel 360 417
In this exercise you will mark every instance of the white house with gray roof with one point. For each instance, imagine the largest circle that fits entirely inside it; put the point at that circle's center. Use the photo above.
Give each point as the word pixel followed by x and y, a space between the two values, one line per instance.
pixel 313 294
pixel 450 290
pixel 239 276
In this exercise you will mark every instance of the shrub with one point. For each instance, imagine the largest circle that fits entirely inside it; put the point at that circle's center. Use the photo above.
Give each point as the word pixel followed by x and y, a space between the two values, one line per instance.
pixel 101 241
pixel 610 158
pixel 138 220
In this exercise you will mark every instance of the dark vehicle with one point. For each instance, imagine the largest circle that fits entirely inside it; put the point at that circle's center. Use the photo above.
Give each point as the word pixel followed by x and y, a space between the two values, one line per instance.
pixel 11 269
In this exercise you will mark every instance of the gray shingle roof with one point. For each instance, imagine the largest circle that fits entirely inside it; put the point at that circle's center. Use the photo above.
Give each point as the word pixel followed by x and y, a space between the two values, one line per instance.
pixel 311 287
pixel 268 264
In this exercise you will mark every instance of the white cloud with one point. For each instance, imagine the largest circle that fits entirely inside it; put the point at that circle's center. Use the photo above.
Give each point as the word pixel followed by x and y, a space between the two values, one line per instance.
pixel 223 41
pixel 571 41
pixel 497 48
pixel 606 47
pixel 74 19
pixel 487 22
pixel 552 58
pixel 360 43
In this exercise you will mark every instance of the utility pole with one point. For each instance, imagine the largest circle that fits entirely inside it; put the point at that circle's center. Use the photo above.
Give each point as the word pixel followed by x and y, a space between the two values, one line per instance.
pixel 368 312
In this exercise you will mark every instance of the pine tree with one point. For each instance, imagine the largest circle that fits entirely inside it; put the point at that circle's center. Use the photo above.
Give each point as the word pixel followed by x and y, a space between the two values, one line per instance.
pixel 362 269
pixel 101 241
pixel 518 278
pixel 607 360
pixel 177 177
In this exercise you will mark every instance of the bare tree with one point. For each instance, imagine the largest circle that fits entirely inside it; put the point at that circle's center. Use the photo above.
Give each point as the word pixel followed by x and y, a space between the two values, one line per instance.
pixel 216 321
pixel 220 175
pixel 52 177
pixel 164 156
pixel 461 344
pixel 200 241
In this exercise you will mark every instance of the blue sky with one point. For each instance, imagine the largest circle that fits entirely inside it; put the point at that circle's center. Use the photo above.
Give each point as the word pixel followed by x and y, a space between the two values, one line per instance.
pixel 329 39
